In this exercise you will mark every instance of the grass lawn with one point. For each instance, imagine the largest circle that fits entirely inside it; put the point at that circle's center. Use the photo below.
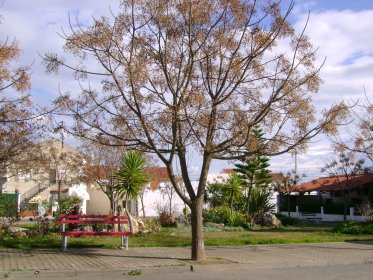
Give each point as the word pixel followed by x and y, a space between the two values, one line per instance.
pixel 181 238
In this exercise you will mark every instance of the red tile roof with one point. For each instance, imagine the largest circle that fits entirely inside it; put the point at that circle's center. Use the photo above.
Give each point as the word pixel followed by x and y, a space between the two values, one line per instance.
pixel 336 183
pixel 227 171
pixel 275 176
pixel 157 175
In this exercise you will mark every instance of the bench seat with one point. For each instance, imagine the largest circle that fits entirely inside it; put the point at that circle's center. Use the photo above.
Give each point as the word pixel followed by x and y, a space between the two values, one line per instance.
pixel 111 220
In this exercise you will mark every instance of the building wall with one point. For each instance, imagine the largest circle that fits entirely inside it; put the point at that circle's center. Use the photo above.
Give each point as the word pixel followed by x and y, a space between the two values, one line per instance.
pixel 155 200
pixel 40 177
pixel 98 202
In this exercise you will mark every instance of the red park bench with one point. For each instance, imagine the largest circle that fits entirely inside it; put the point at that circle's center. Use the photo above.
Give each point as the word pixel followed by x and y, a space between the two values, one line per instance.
pixel 91 220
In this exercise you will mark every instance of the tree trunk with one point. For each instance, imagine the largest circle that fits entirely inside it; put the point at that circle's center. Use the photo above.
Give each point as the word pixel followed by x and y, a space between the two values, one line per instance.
pixel 288 196
pixel 198 243
pixel 142 205
pixel 59 194
pixel 247 206
pixel 344 206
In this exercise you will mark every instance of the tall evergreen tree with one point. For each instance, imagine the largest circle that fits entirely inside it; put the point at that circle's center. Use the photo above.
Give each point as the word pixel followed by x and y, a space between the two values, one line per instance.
pixel 254 169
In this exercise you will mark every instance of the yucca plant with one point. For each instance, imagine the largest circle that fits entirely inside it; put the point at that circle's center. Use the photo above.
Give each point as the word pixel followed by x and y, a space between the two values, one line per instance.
pixel 260 203
pixel 131 175
pixel 232 189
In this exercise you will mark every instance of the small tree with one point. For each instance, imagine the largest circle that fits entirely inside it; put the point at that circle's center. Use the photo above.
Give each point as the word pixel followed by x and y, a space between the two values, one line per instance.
pixel 63 166
pixel 131 176
pixel 344 167
pixel 287 185
pixel 104 161
pixel 232 189
pixel 168 191
pixel 366 210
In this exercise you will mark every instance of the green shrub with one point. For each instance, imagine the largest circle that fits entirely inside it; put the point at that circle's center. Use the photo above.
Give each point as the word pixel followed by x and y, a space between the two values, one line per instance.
pixel 8 210
pixel 152 224
pixel 350 227
pixel 287 221
pixel 259 203
pixel 368 228
pixel 69 205
pixel 44 226
pixel 212 227
pixel 224 215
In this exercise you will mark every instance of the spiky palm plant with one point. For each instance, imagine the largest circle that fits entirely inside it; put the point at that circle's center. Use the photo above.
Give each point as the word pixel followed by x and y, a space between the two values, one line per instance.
pixel 131 175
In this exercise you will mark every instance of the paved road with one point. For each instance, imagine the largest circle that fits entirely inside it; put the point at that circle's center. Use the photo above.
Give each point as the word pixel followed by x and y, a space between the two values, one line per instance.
pixel 304 261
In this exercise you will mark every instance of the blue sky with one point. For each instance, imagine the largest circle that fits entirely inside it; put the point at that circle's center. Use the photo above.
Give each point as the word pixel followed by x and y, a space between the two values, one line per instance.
pixel 341 29
pixel 324 5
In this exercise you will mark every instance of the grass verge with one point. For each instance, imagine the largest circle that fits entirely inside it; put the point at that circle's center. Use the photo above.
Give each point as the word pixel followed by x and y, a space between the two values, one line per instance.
pixel 181 238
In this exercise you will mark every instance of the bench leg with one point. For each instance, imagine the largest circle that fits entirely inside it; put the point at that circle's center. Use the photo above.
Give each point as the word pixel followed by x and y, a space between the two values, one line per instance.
pixel 64 243
pixel 124 244
pixel 64 238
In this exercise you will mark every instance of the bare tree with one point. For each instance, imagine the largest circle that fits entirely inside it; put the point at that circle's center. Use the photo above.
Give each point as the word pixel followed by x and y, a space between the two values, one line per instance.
pixel 62 166
pixel 169 191
pixel 180 77
pixel 361 133
pixel 20 124
pixel 344 167
pixel 287 185
pixel 103 162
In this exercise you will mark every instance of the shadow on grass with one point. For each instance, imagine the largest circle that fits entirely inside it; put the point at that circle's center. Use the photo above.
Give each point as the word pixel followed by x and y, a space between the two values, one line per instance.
pixel 361 242
pixel 44 243
pixel 313 228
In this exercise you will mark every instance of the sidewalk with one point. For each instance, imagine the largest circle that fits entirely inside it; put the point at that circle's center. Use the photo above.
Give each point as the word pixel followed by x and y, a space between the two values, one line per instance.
pixel 38 261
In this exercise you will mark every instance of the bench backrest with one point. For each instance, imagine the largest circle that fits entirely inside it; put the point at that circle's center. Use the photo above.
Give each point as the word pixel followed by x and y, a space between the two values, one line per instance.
pixel 91 219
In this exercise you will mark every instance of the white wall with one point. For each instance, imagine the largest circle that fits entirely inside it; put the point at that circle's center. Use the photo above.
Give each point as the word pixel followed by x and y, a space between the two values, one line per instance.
pixel 81 192
pixel 328 217
pixel 155 198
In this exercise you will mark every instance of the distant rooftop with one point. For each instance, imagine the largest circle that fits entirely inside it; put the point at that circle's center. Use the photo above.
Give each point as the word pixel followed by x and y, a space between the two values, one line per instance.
pixel 336 183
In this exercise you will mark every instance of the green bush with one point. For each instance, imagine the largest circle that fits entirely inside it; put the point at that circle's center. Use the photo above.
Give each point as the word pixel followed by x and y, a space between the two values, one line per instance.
pixel 287 221
pixel 152 224
pixel 69 205
pixel 224 215
pixel 212 227
pixel 8 210
pixel 44 226
pixel 350 227
pixel 259 203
